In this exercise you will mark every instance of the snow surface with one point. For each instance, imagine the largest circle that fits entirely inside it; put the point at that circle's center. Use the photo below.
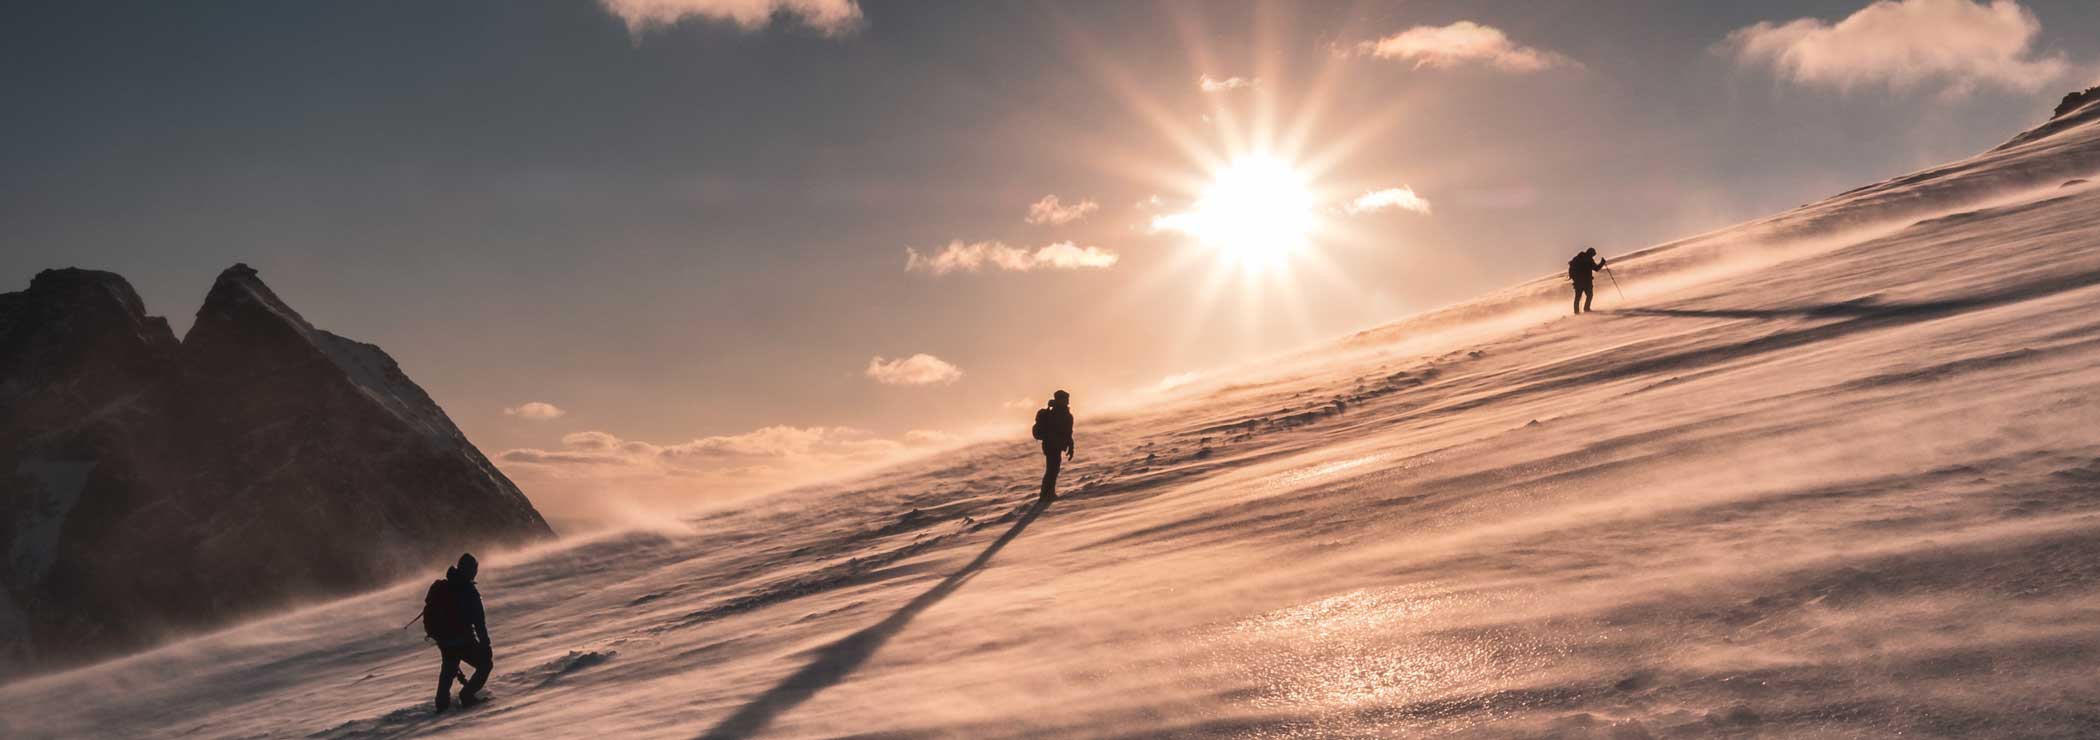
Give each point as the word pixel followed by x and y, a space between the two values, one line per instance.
pixel 1847 485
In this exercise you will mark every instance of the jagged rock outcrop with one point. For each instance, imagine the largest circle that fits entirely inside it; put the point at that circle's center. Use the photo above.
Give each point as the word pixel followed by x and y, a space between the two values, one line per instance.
pixel 150 487
pixel 2076 100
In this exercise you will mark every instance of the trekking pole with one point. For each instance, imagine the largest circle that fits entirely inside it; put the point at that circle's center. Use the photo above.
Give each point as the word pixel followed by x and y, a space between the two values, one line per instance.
pixel 1615 283
pixel 419 617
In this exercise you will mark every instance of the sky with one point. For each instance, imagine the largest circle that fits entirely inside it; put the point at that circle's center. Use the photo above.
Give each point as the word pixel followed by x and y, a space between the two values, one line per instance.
pixel 701 247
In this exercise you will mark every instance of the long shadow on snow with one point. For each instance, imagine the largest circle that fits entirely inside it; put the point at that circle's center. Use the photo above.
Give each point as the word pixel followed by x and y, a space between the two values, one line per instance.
pixel 836 661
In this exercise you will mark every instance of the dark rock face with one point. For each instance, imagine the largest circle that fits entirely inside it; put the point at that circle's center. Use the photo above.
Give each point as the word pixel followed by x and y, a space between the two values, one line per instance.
pixel 150 487
pixel 2076 100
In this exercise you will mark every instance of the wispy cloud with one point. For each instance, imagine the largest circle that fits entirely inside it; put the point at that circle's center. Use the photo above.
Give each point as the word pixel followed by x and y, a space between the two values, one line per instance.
pixel 919 369
pixel 1463 43
pixel 536 411
pixel 831 17
pixel 1402 197
pixel 971 257
pixel 1905 44
pixel 1050 211
pixel 1211 84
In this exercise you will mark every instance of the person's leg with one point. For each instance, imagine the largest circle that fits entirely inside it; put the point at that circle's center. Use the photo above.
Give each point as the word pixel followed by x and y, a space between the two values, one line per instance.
pixel 447 668
pixel 1578 298
pixel 1051 463
pixel 1589 297
pixel 482 659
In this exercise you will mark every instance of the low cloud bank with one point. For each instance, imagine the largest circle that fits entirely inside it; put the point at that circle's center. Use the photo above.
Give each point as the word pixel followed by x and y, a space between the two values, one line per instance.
pixel 595 478
pixel 1211 84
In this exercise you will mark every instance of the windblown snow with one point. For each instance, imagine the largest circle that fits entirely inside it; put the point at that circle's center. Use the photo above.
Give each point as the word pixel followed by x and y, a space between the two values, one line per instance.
pixel 1839 476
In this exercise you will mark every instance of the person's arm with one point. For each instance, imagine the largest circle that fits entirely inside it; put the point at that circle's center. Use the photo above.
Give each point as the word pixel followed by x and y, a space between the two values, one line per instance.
pixel 1602 263
pixel 481 621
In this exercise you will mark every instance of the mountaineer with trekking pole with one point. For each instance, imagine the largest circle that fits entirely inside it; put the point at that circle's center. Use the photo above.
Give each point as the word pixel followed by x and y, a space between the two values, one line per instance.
pixel 1583 271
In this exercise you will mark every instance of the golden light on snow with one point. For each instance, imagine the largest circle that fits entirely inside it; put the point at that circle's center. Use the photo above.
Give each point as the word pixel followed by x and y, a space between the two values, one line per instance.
pixel 1257 211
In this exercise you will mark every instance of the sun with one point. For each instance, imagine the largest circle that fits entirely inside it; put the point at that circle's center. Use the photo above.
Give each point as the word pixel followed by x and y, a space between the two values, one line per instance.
pixel 1256 212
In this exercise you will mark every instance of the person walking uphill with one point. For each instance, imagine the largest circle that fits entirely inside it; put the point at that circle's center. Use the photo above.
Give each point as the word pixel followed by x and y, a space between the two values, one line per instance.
pixel 453 618
pixel 1053 426
pixel 1583 270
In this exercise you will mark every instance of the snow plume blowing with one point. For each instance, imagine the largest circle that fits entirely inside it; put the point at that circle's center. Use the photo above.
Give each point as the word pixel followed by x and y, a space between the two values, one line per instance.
pixel 595 479
pixel 830 17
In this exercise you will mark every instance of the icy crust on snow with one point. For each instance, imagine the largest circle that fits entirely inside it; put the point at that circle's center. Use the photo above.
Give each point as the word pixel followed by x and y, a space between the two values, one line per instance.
pixel 1846 494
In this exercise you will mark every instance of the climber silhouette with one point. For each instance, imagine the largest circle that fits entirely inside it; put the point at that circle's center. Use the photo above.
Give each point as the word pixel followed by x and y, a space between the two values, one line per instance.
pixel 1053 426
pixel 453 618
pixel 1583 270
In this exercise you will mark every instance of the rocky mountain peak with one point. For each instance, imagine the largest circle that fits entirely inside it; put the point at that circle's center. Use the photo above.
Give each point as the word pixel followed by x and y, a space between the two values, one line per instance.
pixel 149 485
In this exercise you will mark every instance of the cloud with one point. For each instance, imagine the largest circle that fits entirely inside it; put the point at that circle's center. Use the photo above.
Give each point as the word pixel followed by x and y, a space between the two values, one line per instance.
pixel 1050 211
pixel 1212 84
pixel 1462 43
pixel 536 411
pixel 919 369
pixel 1905 44
pixel 974 256
pixel 590 441
pixel 1402 197
pixel 831 17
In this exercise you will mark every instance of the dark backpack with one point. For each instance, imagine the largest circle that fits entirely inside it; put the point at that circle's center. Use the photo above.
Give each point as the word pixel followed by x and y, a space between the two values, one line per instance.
pixel 1576 271
pixel 1037 430
pixel 441 613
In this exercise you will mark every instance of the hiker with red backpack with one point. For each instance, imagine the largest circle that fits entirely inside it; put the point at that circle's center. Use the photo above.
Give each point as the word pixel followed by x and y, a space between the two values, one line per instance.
pixel 452 617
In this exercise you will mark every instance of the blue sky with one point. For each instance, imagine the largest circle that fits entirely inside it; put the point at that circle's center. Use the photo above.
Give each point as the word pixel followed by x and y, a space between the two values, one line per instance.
pixel 684 223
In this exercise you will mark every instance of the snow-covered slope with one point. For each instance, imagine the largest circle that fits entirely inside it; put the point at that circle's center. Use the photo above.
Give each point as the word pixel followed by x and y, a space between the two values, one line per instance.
pixel 1847 487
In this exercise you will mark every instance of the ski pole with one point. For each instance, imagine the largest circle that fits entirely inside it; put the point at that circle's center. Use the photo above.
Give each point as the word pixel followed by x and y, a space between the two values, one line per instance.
pixel 419 616
pixel 1615 283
